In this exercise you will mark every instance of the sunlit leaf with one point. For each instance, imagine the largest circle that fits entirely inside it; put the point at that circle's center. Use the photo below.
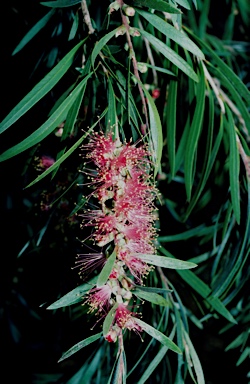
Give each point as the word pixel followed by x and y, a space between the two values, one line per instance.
pixel 151 297
pixel 106 271
pixel 158 336
pixel 194 134
pixel 165 262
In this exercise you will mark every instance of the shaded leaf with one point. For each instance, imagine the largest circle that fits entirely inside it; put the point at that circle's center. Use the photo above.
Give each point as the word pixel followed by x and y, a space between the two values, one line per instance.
pixel 66 154
pixel 60 3
pixel 33 31
pixel 40 90
pixel 73 296
pixel 79 346
pixel 159 5
pixel 151 297
pixel 53 121
pixel 101 43
pixel 172 33
pixel 171 55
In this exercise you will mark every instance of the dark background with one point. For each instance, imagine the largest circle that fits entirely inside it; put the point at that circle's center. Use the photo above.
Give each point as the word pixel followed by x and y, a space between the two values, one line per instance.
pixel 33 338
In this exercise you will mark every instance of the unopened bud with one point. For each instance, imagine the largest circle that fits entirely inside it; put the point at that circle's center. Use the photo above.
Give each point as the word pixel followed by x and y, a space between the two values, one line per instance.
pixel 134 32
pixel 142 67
pixel 121 30
pixel 130 11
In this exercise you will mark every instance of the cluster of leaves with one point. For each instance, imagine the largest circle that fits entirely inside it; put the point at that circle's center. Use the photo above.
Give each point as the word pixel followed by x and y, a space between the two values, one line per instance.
pixel 198 130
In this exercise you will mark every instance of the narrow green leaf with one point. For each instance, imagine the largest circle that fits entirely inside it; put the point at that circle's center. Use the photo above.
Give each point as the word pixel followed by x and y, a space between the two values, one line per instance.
pixel 201 230
pixel 111 118
pixel 225 69
pixel 66 154
pixel 193 137
pixel 183 3
pixel 101 43
pixel 73 296
pixel 195 360
pixel 172 33
pixel 53 121
pixel 152 289
pixel 60 3
pixel 155 130
pixel 159 5
pixel 158 336
pixel 220 308
pixel 153 365
pixel 243 356
pixel 40 90
pixel 109 319
pixel 159 69
pixel 79 346
pixel 151 297
pixel 33 31
pixel 106 271
pixel 165 262
pixel 69 123
pixel 206 169
pixel 171 55
pixel 171 124
pixel 234 166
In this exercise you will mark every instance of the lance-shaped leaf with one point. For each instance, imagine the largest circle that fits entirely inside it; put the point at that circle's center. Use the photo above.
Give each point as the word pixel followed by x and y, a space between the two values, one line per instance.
pixel 158 336
pixel 194 134
pixel 155 130
pixel 106 271
pixel 152 297
pixel 33 31
pixel 60 3
pixel 171 55
pixel 101 43
pixel 79 346
pixel 159 5
pixel 172 33
pixel 53 121
pixel 65 156
pixel 40 90
pixel 73 296
pixel 195 359
pixel 165 262
pixel 109 319
pixel 234 166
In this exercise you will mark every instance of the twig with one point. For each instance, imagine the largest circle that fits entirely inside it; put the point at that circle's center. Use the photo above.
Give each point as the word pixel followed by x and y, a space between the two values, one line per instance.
pixel 86 16
pixel 150 56
pixel 132 55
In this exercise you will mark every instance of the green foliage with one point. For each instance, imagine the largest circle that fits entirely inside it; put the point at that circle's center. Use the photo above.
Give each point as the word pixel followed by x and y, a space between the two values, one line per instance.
pixel 159 77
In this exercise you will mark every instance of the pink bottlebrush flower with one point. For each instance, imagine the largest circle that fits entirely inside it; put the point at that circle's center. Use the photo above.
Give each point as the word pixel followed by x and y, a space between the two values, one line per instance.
pixel 89 262
pixel 138 268
pixel 46 162
pixel 124 319
pixel 99 298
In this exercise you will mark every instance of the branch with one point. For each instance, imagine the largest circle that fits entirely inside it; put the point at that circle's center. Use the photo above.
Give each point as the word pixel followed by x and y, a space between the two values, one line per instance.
pixel 86 16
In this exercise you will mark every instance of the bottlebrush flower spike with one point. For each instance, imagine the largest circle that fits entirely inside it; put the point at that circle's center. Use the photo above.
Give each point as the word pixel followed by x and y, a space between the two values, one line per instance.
pixel 124 221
